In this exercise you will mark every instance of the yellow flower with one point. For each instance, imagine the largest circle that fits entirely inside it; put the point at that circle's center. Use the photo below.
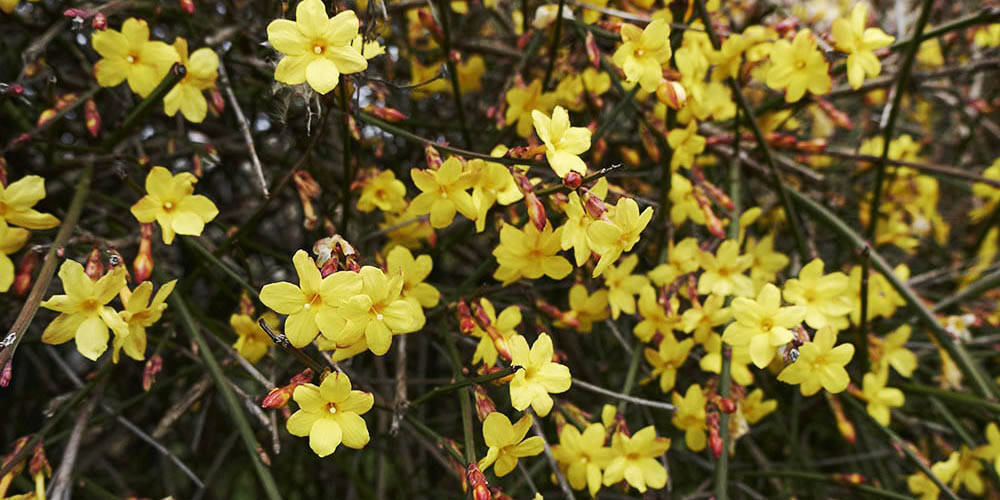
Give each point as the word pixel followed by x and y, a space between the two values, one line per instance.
pixel 990 195
pixel 701 319
pixel 764 325
pixel 586 308
pixel 426 80
pixel 578 221
pixel 711 361
pixel 581 456
pixel 655 317
pixel 729 57
pixel 754 407
pixel 538 377
pixel 766 260
pixel 990 450
pixel 11 240
pixel 506 324
pixel 667 359
pixel 170 202
pixel 619 234
pixel 690 416
pixel 635 460
pixel 798 66
pixel 410 230
pixel 493 184
pixel 682 259
pixel 987 36
pixel 507 444
pixel 851 36
pixel 17 199
pixel 724 271
pixel 384 192
pixel 252 343
pixel 529 253
pixel 202 70
pixel 8 6
pixel 369 49
pixel 922 485
pixel 443 192
pixel 378 312
pixel 882 297
pixel 522 101
pixel 84 315
pixel 563 143
pixel 880 398
pixel 140 314
pixel 824 297
pixel 314 304
pixel 819 364
pixel 969 473
pixel 316 48
pixel 686 144
pixel 623 286
pixel 683 205
pixel 130 55
pixel 893 352
pixel 414 271
pixel 331 414
pixel 643 53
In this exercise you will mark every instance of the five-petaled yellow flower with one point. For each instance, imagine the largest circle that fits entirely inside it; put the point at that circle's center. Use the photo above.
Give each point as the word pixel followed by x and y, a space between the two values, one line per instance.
pixel 506 442
pixel 17 199
pixel 636 461
pixel 130 55
pixel 820 364
pixel 762 324
pixel 84 315
pixel 643 53
pixel 619 234
pixel 538 377
pixel 317 48
pixel 330 414
pixel 252 342
pixel 379 312
pixel 11 240
pixel 202 70
pixel 583 455
pixel 798 66
pixel 170 202
pixel 529 253
pixel 443 192
pixel 314 304
pixel 140 314
pixel 690 416
pixel 824 296
pixel 851 36
pixel 879 397
pixel 667 359
pixel 563 143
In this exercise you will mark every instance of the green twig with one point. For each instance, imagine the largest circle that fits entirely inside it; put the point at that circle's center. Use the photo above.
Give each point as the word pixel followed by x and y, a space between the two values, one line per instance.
pixel 175 75
pixel 463 398
pixel 444 389
pixel 825 478
pixel 444 11
pixel 554 48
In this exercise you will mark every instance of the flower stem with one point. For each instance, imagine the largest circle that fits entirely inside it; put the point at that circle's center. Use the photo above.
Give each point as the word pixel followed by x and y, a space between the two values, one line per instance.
pixel 462 383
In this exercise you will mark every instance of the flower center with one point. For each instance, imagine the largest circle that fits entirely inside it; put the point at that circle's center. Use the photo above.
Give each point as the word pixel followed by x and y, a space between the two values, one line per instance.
pixel 168 205
pixel 379 316
pixel 766 324
pixel 89 305
pixel 3 208
pixel 332 408
pixel 800 64
pixel 318 48
pixel 132 59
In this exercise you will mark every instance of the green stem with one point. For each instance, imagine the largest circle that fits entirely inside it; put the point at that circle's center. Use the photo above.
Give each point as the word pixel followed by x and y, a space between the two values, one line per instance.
pixel 825 478
pixel 463 399
pixel 444 10
pixel 444 389
pixel 953 396
pixel 554 48
pixel 633 370
pixel 217 263
pixel 175 75
pixel 228 397
pixel 722 464
pixel 986 283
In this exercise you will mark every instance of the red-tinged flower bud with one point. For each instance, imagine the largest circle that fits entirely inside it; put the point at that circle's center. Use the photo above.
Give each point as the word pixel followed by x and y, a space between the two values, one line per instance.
pixel 712 222
pixel 720 196
pixel 142 266
pixel 9 459
pixel 839 117
pixel 631 156
pixel 352 125
pixel 844 425
pixel 277 398
pixel 264 457
pixel 536 210
pixel 187 6
pixel 196 166
pixel 672 94
pixel 726 405
pixel 474 475
pixel 593 51
pixel 21 139
pixel 455 56
pixel 786 26
pixel 92 117
pixel 218 103
pixel 714 438
pixel 71 13
pixel 25 271
pixel 484 405
pixel 433 157
pixel 851 478
pixel 154 365
pixel 246 304
pixel 596 208
pixel 429 24
pixel 39 465
pixel 3 171
pixel 466 323
pixel 391 115
pixel 525 39
pixel 17 89
pixel 46 116
pixel 499 495
pixel 94 266
pixel 649 142
pixel 307 188
pixel 303 377
pixel 6 373
pixel 99 22
pixel 598 151
pixel 572 180
pixel 816 144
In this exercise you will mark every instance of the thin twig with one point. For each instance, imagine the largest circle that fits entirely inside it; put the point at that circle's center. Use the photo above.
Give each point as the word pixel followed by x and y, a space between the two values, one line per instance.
pixel 567 491
pixel 244 128
pixel 60 489
pixel 623 397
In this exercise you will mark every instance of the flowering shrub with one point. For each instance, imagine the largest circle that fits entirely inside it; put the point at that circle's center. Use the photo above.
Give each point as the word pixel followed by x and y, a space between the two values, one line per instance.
pixel 408 249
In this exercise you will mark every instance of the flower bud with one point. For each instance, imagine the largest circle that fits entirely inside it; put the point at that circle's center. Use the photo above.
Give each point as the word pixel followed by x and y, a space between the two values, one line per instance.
pixel 726 405
pixel 596 208
pixel 154 365
pixel 142 266
pixel 839 117
pixel 593 51
pixel 477 482
pixel 92 117
pixel 466 324
pixel 844 426
pixel 5 373
pixel 39 469
pixel 714 438
pixel 631 156
pixel 672 94
pixel 572 180
pixel 187 6
pixel 391 115
pixel 19 466
pixel 307 188
pixel 649 142
pixel 99 22
pixel 25 270
pixel 218 103
pixel 94 266
pixel 433 157
pixel 279 396
pixel 712 222
pixel 484 405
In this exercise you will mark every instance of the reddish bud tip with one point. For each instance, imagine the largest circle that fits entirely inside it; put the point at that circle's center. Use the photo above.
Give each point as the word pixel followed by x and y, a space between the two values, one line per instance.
pixel 572 180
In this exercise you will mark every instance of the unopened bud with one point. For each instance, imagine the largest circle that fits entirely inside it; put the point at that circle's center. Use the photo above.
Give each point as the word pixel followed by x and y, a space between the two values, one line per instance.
pixel 391 115
pixel 851 478
pixel 593 51
pixel 595 207
pixel 712 222
pixel 844 426
pixel 714 438
pixel 218 103
pixel 92 117
pixel 672 94
pixel 279 396
pixel 154 365
pixel 466 323
pixel 18 466
pixel 142 266
pixel 839 117
pixel 99 22
pixel 25 272
pixel 94 266
pixel 39 465
pixel 433 157
pixel 649 142
pixel 6 373
pixel 307 188
pixel 477 482
pixel 187 6
pixel 572 180
pixel 484 405
pixel 428 22
pixel 726 405
pixel 631 156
